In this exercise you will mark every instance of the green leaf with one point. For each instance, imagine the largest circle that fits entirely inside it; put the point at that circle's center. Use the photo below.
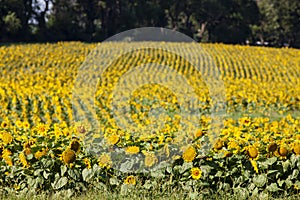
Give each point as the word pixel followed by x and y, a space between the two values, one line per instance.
pixel 60 183
pixel 280 182
pixel 126 166
pixel 285 165
pixel 72 174
pixel 295 174
pixel 271 161
pixel 45 174
pixel 185 166
pixel 273 187
pixel 113 181
pixel 260 180
pixel 87 174
pixel 63 169
pixel 288 183
pixel 147 185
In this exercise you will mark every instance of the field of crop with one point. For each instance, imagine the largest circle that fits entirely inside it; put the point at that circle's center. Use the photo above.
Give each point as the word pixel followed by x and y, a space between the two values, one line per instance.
pixel 239 135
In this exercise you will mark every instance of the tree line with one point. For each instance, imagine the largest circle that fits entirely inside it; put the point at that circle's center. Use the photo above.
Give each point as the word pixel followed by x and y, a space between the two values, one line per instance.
pixel 264 22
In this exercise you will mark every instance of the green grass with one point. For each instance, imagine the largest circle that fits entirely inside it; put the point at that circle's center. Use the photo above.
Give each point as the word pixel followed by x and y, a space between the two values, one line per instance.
pixel 138 194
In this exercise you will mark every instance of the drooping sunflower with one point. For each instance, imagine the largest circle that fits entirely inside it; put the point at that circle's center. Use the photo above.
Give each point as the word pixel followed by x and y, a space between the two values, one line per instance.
pixel 296 148
pixel 75 146
pixel 23 160
pixel 189 154
pixel 196 173
pixel 68 156
pixel 272 147
pixel 6 156
pixel 130 180
pixel 41 153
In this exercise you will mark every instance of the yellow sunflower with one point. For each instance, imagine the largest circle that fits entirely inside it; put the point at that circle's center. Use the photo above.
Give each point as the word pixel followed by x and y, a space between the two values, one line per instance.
pixel 130 180
pixel 150 159
pixel 23 160
pixel 196 173
pixel 7 138
pixel 105 160
pixel 189 154
pixel 132 150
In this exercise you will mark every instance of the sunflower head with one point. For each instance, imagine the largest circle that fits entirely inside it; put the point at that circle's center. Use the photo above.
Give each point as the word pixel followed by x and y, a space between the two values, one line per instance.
pixel 296 148
pixel 283 151
pixel 68 156
pixel 272 147
pixel 252 152
pixel 189 154
pixel 132 150
pixel 196 173
pixel 75 145
pixel 7 138
pixel 130 180
pixel 218 145
pixel 104 160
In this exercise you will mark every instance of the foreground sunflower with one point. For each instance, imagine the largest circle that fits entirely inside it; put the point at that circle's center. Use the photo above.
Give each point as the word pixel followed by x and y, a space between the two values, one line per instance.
pixel 68 156
pixel 130 180
pixel 196 173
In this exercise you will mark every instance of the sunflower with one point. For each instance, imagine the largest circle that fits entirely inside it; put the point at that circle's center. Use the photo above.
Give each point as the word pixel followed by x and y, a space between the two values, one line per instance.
pixel 189 154
pixel 40 153
pixel 218 145
pixel 272 147
pixel 130 180
pixel 196 173
pixel 6 156
pixel 7 138
pixel 87 163
pixel 4 124
pixel 132 150
pixel 104 160
pixel 252 152
pixel 23 160
pixel 150 159
pixel 296 148
pixel 283 151
pixel 113 139
pixel 68 156
pixel 75 146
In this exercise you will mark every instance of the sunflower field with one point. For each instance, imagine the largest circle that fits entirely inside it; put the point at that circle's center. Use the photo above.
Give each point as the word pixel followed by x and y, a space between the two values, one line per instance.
pixel 248 143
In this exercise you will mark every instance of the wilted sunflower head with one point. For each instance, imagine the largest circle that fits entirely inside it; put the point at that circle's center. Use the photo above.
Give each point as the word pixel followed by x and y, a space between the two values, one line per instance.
pixel 68 156
pixel 75 146
pixel 272 147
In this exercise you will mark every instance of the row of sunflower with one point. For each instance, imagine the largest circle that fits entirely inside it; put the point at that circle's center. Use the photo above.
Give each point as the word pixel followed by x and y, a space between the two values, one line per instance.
pixel 251 155
pixel 150 136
